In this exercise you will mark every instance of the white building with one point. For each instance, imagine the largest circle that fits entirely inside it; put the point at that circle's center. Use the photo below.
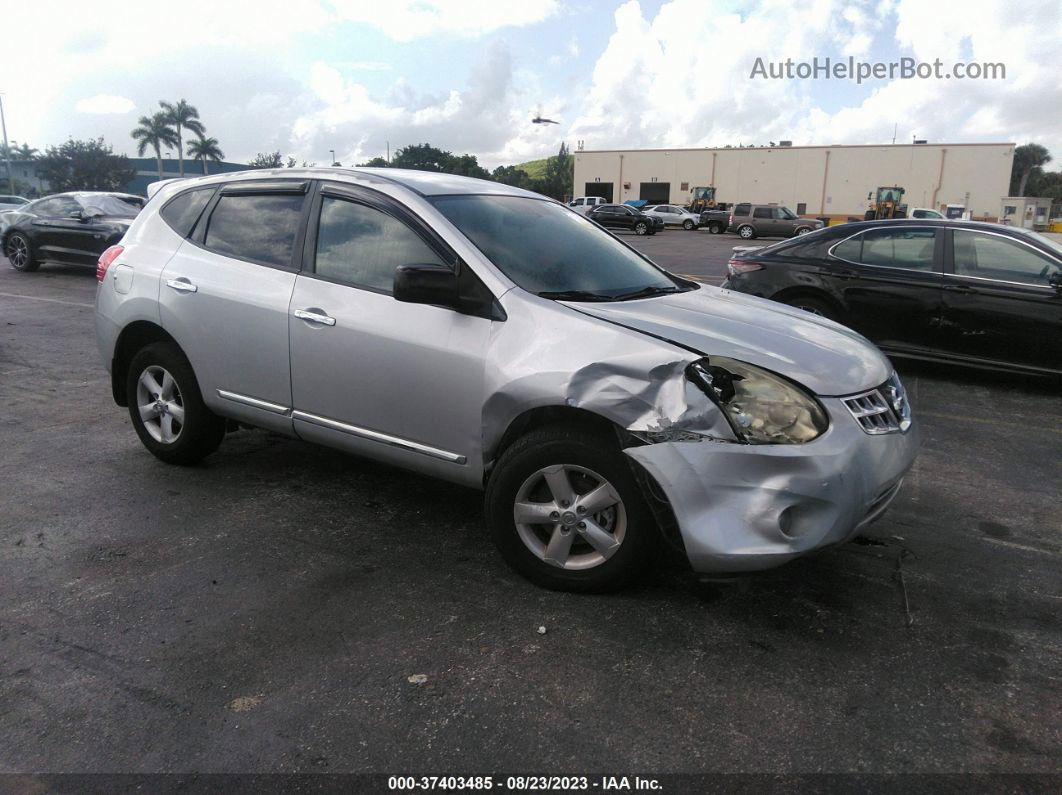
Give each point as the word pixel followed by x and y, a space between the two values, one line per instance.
pixel 829 181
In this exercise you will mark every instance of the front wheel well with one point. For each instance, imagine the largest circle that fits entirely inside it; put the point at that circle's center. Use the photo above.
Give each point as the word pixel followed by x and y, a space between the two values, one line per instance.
pixel 790 294
pixel 133 338
pixel 542 416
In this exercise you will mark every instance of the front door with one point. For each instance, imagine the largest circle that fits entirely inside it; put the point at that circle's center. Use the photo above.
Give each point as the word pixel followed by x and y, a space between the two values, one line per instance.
pixel 225 294
pixel 891 279
pixel 393 381
pixel 998 302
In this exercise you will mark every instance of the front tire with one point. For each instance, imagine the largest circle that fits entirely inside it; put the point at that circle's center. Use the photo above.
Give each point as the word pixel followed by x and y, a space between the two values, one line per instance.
pixel 802 230
pixel 746 232
pixel 566 511
pixel 167 409
pixel 19 251
pixel 641 228
pixel 688 225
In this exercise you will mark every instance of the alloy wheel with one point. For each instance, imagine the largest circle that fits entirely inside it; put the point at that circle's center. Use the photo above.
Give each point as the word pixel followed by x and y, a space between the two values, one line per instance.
pixel 745 232
pixel 570 517
pixel 18 252
pixel 158 398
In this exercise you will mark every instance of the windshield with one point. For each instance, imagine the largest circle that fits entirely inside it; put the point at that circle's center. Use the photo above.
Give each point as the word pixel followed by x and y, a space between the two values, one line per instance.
pixel 546 248
pixel 105 204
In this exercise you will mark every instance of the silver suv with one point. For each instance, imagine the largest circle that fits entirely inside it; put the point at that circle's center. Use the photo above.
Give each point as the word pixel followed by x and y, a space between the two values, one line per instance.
pixel 496 339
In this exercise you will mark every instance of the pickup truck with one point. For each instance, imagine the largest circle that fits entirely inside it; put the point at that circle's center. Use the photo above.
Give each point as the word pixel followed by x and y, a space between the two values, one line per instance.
pixel 715 221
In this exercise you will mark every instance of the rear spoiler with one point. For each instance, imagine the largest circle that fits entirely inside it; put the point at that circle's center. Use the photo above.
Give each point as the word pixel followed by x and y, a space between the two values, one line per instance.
pixel 155 187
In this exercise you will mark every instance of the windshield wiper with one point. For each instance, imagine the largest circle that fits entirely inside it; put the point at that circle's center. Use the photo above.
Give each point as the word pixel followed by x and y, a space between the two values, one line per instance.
pixel 645 292
pixel 576 295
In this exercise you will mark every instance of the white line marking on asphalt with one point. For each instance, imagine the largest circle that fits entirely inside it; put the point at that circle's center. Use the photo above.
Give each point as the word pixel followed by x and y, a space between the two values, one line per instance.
pixel 49 300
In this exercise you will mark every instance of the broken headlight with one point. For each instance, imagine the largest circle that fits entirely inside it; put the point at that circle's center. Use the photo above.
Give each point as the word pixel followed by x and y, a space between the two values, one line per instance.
pixel 762 408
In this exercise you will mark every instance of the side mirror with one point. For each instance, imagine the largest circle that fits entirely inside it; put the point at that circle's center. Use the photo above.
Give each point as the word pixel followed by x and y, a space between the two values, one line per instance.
pixel 426 284
pixel 1055 280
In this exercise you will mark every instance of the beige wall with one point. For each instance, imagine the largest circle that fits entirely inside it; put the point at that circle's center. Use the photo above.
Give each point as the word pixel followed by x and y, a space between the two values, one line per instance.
pixel 792 175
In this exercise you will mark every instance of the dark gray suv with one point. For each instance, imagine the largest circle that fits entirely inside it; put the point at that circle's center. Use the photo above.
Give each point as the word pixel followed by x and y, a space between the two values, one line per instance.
pixel 769 220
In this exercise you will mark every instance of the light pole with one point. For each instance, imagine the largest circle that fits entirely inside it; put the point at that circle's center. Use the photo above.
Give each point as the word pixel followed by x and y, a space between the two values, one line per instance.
pixel 333 153
pixel 7 149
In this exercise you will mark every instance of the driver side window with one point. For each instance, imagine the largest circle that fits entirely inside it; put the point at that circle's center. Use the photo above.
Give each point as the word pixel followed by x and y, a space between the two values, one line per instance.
pixel 361 246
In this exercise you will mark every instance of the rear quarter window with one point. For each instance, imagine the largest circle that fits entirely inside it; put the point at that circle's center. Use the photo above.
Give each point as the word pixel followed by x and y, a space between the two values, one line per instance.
pixel 742 209
pixel 182 211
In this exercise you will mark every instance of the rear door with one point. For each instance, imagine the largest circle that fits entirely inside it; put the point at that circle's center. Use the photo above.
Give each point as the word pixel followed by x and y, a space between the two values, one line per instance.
pixel 763 220
pixel 890 279
pixel 396 381
pixel 998 302
pixel 225 293
pixel 50 233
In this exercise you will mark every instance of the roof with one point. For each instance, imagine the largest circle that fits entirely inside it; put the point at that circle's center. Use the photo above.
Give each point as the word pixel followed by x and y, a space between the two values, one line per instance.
pixel 424 183
pixel 933 145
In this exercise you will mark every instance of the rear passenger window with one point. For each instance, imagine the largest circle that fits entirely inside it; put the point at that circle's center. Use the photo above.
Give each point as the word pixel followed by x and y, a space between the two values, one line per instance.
pixel 182 212
pixel 362 246
pixel 260 228
pixel 890 248
pixel 742 209
pixel 762 212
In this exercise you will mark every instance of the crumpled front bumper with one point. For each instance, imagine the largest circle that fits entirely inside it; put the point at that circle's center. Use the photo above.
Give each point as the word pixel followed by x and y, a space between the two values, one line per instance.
pixel 750 507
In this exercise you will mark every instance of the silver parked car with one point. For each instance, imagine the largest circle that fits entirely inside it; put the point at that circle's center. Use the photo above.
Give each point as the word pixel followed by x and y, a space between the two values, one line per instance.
pixel 491 337
pixel 673 215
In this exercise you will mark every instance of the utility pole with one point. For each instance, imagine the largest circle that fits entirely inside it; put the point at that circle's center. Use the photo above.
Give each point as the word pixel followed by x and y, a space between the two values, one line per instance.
pixel 7 149
pixel 388 152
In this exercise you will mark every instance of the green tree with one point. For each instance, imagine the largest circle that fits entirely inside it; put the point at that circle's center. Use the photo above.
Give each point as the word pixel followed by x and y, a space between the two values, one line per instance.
pixel 511 175
pixel 154 131
pixel 84 165
pixel 467 166
pixel 376 162
pixel 1029 159
pixel 267 160
pixel 559 175
pixel 182 116
pixel 205 149
pixel 422 157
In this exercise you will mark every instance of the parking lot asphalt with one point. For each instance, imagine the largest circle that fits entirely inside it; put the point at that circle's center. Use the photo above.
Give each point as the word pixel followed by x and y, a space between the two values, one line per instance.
pixel 265 611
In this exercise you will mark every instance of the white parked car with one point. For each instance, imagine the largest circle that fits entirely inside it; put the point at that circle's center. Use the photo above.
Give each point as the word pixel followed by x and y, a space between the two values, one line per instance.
pixel 8 202
pixel 673 215
pixel 585 204
pixel 925 212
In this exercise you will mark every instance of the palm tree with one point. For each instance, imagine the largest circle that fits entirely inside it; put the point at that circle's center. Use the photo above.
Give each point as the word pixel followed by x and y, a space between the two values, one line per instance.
pixel 205 149
pixel 183 117
pixel 1027 159
pixel 154 131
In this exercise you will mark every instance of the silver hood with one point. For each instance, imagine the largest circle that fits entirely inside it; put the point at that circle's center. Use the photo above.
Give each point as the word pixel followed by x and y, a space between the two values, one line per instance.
pixel 826 357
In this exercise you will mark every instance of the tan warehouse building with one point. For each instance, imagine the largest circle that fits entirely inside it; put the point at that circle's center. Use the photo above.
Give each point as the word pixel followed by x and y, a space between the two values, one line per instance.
pixel 812 180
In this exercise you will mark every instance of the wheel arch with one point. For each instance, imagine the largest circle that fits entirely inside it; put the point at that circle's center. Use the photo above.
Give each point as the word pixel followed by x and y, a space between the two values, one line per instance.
pixel 787 294
pixel 539 417
pixel 133 338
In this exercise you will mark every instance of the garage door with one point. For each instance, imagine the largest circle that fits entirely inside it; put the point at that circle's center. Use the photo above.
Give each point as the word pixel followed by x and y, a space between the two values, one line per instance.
pixel 602 189
pixel 655 192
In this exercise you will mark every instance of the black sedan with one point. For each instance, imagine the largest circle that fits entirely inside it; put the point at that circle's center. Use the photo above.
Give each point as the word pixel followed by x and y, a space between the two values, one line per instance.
pixel 73 228
pixel 959 291
pixel 623 216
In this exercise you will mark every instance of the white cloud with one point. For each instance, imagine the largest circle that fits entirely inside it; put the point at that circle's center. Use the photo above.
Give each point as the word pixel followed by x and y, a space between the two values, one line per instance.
pixel 405 20
pixel 104 103
pixel 681 78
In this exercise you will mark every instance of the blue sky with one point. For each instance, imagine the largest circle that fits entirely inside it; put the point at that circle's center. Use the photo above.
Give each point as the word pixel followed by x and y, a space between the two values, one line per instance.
pixel 352 75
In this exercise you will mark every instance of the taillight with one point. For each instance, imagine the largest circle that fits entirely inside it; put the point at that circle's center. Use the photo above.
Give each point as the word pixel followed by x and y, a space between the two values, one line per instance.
pixel 731 219
pixel 736 266
pixel 106 258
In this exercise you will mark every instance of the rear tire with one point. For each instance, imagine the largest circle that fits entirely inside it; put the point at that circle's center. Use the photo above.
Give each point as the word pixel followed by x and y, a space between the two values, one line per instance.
pixel 746 232
pixel 591 550
pixel 815 306
pixel 19 251
pixel 715 228
pixel 167 408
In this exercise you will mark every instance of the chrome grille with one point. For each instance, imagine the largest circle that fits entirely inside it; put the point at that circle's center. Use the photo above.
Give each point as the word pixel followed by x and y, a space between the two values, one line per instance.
pixel 881 410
